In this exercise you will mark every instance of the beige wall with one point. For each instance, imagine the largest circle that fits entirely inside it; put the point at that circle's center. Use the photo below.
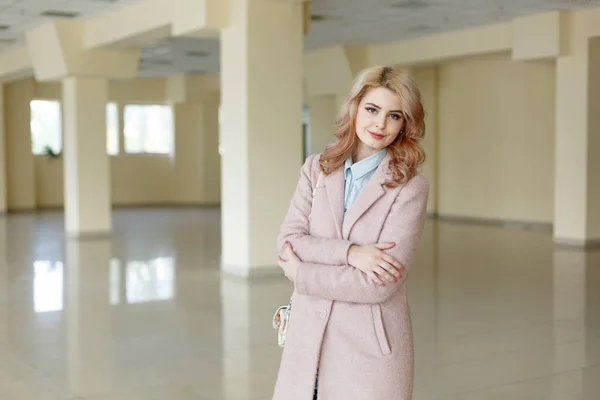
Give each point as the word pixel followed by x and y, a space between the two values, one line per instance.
pixel 323 112
pixel 496 138
pixel 489 137
pixel 489 142
pixel 2 155
pixel 20 165
pixel 137 179
pixel 427 80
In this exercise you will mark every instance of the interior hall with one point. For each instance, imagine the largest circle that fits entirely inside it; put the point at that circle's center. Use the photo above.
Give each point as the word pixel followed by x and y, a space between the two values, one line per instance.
pixel 149 150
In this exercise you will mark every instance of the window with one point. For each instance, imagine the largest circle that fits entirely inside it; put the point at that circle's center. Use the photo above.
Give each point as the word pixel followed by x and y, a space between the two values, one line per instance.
pixel 112 129
pixel 148 129
pixel 46 126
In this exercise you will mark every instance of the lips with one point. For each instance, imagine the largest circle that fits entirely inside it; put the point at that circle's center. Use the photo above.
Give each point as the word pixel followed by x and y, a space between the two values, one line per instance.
pixel 376 135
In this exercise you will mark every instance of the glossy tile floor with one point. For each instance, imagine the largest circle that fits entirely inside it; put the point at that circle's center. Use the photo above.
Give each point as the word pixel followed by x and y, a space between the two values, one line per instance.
pixel 498 314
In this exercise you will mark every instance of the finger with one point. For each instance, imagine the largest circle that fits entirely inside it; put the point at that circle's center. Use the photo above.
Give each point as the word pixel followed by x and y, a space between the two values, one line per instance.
pixel 289 250
pixel 381 271
pixel 290 253
pixel 385 245
pixel 375 278
pixel 389 268
pixel 392 261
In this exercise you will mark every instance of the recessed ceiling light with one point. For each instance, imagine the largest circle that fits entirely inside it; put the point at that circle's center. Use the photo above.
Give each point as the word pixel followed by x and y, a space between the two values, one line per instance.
pixel 196 53
pixel 321 17
pixel 60 14
pixel 419 28
pixel 154 61
pixel 410 4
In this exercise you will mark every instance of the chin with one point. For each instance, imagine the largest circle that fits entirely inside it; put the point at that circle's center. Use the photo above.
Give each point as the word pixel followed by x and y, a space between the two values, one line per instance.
pixel 377 145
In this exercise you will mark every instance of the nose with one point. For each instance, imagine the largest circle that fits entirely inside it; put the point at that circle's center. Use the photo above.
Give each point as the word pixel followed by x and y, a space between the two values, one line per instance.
pixel 380 121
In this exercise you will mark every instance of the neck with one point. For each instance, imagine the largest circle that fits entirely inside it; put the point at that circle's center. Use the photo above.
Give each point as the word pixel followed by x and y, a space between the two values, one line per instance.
pixel 362 152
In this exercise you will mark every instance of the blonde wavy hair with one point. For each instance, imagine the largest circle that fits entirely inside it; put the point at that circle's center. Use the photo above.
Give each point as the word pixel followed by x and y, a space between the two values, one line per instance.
pixel 406 153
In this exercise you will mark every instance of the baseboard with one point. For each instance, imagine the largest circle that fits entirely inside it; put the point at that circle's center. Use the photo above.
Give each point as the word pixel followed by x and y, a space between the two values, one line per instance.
pixel 167 205
pixel 253 273
pixel 89 235
pixel 582 244
pixel 508 224
pixel 117 207
pixel 21 211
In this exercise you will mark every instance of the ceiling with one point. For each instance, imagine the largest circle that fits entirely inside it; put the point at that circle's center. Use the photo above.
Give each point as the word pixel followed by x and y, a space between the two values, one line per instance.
pixel 360 22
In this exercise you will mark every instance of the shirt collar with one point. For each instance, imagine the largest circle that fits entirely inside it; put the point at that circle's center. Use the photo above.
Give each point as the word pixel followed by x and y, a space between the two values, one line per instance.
pixel 364 166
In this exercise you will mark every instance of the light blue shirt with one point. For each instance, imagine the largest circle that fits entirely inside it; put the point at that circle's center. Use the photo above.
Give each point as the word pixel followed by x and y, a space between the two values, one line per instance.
pixel 358 174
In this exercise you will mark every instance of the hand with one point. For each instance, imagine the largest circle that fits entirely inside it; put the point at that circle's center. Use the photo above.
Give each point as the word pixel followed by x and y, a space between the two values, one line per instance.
pixel 290 263
pixel 372 260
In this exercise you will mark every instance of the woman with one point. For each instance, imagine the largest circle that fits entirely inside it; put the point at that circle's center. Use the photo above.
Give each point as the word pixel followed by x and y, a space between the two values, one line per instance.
pixel 347 244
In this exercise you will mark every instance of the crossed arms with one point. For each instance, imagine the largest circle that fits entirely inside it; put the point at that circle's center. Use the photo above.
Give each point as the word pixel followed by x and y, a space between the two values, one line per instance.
pixel 324 270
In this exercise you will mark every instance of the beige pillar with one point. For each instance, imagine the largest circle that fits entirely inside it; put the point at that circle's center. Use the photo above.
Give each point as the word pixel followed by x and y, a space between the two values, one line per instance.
pixel 86 163
pixel 323 112
pixel 261 89
pixel 88 311
pixel 3 199
pixel 121 108
pixel 577 181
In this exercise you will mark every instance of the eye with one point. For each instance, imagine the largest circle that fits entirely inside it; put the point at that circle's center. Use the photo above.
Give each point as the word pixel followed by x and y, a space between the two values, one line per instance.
pixel 396 117
pixel 371 110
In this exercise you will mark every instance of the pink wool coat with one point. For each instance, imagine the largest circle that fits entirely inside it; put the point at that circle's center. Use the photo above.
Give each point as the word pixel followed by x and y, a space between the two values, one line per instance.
pixel 357 333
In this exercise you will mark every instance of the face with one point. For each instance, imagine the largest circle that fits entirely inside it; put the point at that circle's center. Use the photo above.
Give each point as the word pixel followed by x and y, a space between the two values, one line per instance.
pixel 379 120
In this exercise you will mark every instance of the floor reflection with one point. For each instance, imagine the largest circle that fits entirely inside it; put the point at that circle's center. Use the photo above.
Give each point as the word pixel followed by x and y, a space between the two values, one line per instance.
pixel 48 280
pixel 145 281
pixel 146 314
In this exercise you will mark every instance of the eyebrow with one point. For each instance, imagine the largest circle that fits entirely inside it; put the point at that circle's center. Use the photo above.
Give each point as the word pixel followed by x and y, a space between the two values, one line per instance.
pixel 379 108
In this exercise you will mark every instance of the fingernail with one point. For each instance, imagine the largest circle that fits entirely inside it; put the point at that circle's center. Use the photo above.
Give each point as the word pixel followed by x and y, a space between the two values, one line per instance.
pixel 395 280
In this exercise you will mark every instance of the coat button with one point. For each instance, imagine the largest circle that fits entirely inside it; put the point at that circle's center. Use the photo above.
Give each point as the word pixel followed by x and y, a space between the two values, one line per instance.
pixel 323 313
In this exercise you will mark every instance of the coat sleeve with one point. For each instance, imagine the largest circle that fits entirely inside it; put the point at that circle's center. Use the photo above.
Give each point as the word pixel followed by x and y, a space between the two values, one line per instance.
pixel 403 226
pixel 295 227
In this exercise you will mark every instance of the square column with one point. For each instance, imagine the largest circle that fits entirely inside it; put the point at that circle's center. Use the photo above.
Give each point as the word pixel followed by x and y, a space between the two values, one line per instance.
pixel 86 163
pixel 577 182
pixel 261 129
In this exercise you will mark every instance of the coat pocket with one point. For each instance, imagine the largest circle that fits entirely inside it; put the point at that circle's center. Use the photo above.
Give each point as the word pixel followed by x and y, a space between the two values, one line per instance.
pixel 380 330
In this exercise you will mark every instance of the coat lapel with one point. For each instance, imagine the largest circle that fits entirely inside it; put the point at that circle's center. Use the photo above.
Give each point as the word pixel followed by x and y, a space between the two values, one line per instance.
pixel 373 191
pixel 334 184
